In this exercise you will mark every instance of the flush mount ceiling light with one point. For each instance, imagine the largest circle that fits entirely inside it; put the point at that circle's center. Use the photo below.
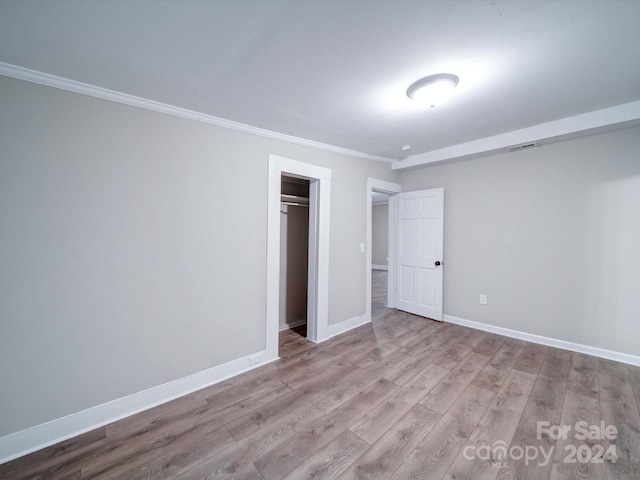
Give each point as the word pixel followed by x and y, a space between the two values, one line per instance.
pixel 434 89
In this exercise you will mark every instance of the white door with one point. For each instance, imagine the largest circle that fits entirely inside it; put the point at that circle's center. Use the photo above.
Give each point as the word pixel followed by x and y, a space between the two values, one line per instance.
pixel 419 243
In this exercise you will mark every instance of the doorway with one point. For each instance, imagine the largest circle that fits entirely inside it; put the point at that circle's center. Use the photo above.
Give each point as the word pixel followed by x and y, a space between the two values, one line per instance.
pixel 387 190
pixel 319 179
pixel 294 254
pixel 379 250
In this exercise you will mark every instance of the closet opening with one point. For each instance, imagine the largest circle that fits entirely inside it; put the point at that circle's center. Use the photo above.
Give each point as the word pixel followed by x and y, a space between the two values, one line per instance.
pixel 294 255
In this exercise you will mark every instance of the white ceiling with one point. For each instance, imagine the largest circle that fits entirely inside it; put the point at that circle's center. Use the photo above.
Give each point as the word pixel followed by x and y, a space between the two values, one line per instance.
pixel 336 72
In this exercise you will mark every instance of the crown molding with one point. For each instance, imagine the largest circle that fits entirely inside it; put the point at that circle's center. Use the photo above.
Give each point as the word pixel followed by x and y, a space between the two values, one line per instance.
pixel 62 83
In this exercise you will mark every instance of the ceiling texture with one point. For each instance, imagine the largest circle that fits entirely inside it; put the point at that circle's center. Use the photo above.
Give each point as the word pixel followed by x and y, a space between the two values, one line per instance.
pixel 336 72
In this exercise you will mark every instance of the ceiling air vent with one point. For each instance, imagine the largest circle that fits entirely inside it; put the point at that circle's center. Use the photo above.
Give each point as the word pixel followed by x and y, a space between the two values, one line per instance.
pixel 522 146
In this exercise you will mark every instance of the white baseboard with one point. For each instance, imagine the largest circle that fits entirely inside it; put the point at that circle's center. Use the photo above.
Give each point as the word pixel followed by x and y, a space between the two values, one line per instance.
pixel 548 341
pixel 380 267
pixel 35 438
pixel 347 325
pixel 288 326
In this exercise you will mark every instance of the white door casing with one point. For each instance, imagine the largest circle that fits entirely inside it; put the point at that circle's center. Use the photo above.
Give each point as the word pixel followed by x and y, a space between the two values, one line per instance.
pixel 419 252
pixel 319 221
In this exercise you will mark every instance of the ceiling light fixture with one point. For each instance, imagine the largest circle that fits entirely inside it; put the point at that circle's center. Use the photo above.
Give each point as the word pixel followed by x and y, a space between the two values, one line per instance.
pixel 434 89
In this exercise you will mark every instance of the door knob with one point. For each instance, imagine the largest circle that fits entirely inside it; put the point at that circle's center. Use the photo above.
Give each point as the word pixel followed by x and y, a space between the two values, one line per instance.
pixel 438 263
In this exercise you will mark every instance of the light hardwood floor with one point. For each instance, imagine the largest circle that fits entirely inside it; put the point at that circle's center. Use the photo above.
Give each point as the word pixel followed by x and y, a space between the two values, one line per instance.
pixel 402 398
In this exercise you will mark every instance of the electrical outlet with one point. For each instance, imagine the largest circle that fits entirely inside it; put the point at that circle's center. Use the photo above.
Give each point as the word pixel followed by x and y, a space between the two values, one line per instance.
pixel 483 299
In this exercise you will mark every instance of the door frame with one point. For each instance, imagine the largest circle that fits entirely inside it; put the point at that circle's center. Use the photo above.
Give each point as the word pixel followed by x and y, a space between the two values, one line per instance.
pixel 390 188
pixel 319 221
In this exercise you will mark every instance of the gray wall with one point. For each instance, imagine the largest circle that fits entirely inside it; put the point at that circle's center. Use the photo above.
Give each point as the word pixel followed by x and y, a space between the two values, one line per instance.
pixel 127 256
pixel 379 233
pixel 550 234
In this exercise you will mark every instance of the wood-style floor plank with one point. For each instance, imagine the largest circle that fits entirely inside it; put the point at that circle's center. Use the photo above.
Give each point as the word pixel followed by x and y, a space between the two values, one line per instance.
pixel 497 425
pixel 333 459
pixel 618 409
pixel 440 398
pixel 403 397
pixel 158 458
pixel 634 378
pixel 433 456
pixel 453 356
pixel 287 457
pixel 373 425
pixel 544 405
pixel 376 352
pixel 333 369
pixel 531 358
pixel 490 344
pixel 566 463
pixel 583 375
pixel 385 456
pixel 581 404
pixel 266 414
pixel 238 457
pixel 346 387
pixel 493 373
